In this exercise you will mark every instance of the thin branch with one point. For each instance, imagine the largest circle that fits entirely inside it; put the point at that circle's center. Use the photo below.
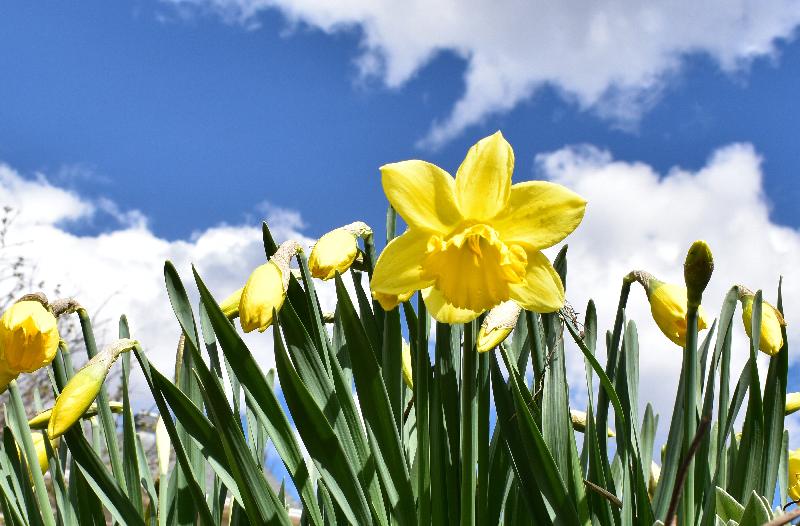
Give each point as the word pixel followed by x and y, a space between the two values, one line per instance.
pixel 784 519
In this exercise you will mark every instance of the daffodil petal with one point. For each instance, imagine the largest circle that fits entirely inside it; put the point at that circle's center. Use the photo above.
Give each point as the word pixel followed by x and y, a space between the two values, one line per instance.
pixel 483 181
pixel 540 214
pixel 398 270
pixel 541 290
pixel 443 311
pixel 423 194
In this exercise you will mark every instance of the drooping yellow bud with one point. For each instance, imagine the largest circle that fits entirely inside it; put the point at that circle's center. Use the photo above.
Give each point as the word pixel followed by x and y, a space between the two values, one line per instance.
pixel 792 402
pixel 497 325
pixel 771 323
pixel 28 337
pixel 794 475
pixel 163 447
pixel 83 388
pixel 408 374
pixel 579 422
pixel 41 450
pixel 41 420
pixel 655 475
pixel 668 305
pixel 230 305
pixel 336 250
pixel 266 288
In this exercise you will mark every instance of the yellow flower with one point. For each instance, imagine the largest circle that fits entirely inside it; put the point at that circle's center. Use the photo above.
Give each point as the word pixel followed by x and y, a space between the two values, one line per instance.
pixel 476 240
pixel 230 305
pixel 668 306
pixel 497 325
pixel 28 337
pixel 408 374
pixel 266 288
pixel 41 420
pixel 792 402
pixel 81 390
pixel 794 475
pixel 771 323
pixel 41 450
pixel 336 250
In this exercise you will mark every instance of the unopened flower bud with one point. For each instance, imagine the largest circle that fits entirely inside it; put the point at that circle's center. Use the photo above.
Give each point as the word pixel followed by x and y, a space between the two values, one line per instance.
pixel 337 250
pixel 81 390
pixel 792 402
pixel 655 475
pixel 230 305
pixel 163 447
pixel 28 337
pixel 794 475
pixel 579 422
pixel 265 290
pixel 41 450
pixel 497 325
pixel 697 271
pixel 41 420
pixel 408 371
pixel 771 323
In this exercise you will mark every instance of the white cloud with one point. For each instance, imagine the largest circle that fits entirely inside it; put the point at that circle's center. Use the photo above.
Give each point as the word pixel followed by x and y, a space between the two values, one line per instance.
pixel 640 219
pixel 610 57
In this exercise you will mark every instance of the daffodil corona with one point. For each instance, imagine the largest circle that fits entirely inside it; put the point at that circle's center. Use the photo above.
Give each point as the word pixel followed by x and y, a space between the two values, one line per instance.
pixel 475 241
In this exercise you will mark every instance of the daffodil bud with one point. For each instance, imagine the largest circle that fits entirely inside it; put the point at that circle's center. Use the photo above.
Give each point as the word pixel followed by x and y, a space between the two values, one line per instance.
pixel 497 325
pixel 41 450
pixel 163 446
pixel 28 337
pixel 792 402
pixel 408 375
pixel 265 290
pixel 771 323
pixel 794 475
pixel 336 250
pixel 655 475
pixel 41 420
pixel 230 305
pixel 668 305
pixel 579 422
pixel 697 271
pixel 83 388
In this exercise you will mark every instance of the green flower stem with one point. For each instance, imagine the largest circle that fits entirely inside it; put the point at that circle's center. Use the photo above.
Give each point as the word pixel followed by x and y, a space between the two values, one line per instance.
pixel 469 427
pixel 106 418
pixel 483 438
pixel 24 434
pixel 689 413
pixel 421 372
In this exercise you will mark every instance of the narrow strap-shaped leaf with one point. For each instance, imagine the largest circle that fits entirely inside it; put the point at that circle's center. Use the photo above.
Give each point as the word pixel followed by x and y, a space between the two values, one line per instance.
pixel 774 412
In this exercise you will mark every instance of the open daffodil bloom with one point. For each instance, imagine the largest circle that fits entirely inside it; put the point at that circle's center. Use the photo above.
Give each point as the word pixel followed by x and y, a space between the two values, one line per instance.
pixel 474 241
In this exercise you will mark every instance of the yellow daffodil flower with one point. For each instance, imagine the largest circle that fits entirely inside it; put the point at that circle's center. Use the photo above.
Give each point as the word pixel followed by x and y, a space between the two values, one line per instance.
pixel 266 288
pixel 230 305
pixel 771 323
pixel 579 422
pixel 794 475
pixel 474 241
pixel 81 390
pixel 337 250
pixel 28 338
pixel 668 305
pixel 497 325
pixel 408 371
pixel 792 402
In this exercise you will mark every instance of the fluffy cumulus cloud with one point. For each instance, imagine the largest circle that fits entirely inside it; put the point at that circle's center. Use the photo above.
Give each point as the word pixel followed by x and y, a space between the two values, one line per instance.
pixel 610 57
pixel 640 219
pixel 121 270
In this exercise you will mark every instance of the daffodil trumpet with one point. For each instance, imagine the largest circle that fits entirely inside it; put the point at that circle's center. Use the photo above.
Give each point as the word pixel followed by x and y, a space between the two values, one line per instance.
pixel 82 389
pixel 475 241
pixel 772 322
pixel 668 306
pixel 338 250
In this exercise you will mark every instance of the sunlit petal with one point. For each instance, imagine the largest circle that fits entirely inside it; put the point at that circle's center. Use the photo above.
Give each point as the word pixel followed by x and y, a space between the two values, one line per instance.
pixel 541 290
pixel 423 194
pixel 445 312
pixel 540 214
pixel 399 267
pixel 483 181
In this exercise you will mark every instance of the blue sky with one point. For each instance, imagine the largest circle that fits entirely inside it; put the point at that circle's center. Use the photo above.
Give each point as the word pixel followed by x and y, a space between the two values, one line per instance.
pixel 195 121
pixel 134 132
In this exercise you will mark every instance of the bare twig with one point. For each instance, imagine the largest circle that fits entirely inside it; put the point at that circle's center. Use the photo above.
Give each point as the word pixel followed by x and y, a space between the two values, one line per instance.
pixel 671 518
pixel 784 519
